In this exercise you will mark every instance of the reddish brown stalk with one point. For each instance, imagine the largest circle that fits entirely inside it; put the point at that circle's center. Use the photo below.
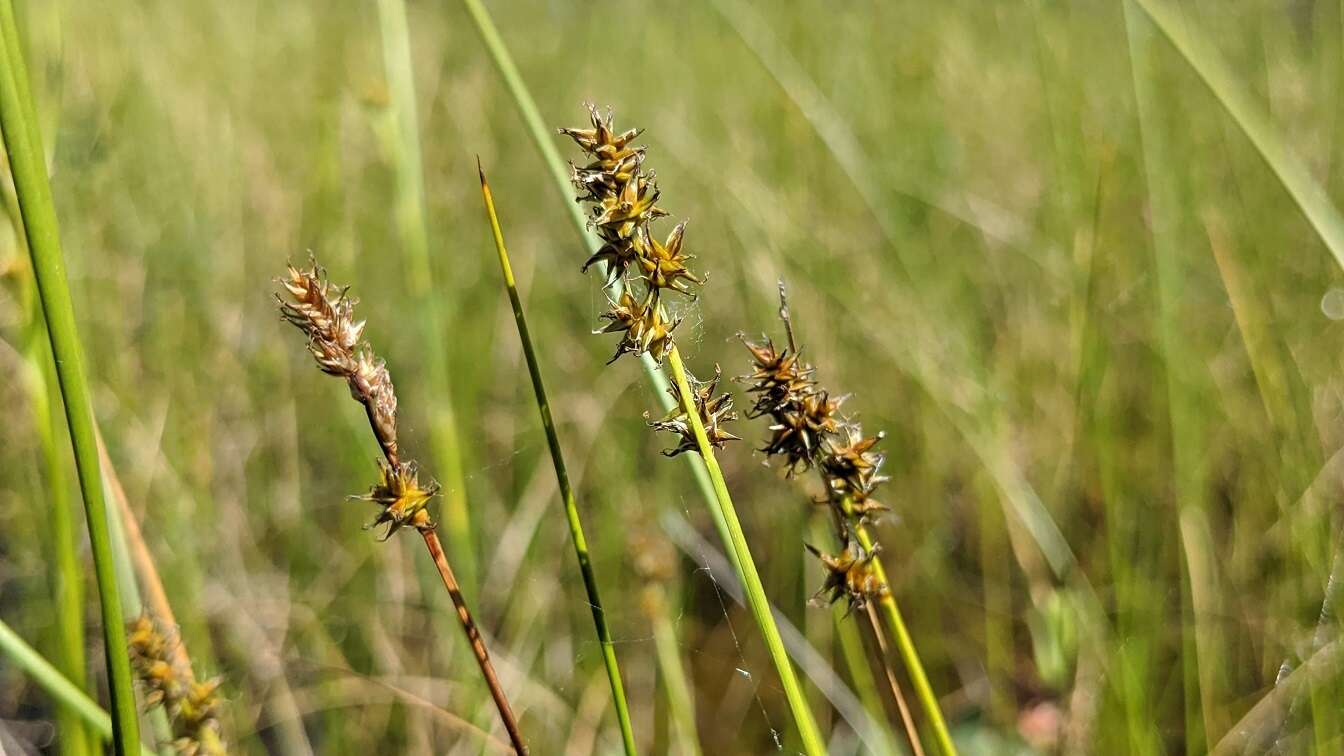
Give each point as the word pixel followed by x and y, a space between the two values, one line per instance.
pixel 906 719
pixel 474 635
pixel 155 598
pixel 325 314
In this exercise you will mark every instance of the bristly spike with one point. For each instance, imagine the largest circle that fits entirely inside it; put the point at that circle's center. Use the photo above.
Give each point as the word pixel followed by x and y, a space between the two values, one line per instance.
pixel 624 200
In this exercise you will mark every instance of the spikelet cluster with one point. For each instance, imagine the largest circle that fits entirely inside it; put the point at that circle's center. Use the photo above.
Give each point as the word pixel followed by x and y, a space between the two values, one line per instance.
pixel 325 314
pixel 808 431
pixel 623 198
pixel 714 412
pixel 192 706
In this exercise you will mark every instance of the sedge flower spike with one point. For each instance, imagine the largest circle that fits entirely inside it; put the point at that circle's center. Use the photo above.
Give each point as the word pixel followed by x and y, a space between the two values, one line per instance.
pixel 192 706
pixel 325 314
pixel 807 431
pixel 624 202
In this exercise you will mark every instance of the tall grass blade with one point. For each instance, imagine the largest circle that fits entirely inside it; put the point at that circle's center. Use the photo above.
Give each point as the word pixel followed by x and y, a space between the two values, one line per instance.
pixel 1199 637
pixel 57 685
pixel 680 703
pixel 1310 197
pixel 67 577
pixel 413 229
pixel 23 143
pixel 562 479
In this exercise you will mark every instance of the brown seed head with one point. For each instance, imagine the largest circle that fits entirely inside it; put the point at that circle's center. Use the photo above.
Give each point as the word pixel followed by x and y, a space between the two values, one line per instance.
pixel 624 199
pixel 193 707
pixel 850 575
pixel 644 327
pixel 713 411
pixel 326 316
pixel 403 499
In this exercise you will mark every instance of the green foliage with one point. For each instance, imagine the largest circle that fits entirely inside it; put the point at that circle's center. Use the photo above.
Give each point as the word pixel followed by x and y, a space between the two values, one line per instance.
pixel 1073 323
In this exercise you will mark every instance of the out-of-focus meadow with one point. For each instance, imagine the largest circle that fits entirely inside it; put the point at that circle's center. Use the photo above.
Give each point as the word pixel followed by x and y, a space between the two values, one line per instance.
pixel 1028 239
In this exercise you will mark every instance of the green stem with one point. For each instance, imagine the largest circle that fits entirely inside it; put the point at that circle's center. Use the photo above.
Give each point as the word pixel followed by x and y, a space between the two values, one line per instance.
pixel 23 143
pixel 562 478
pixel 679 701
pixel 57 685
pixel 909 655
pixel 751 580
pixel 409 208
pixel 66 578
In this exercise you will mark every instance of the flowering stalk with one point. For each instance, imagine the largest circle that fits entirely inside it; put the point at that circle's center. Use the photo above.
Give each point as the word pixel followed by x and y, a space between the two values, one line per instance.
pixel 336 342
pixel 562 480
pixel 623 201
pixel 807 432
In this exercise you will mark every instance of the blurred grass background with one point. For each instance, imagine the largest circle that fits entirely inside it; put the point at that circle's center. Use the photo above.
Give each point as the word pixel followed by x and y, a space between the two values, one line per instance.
pixel 1026 237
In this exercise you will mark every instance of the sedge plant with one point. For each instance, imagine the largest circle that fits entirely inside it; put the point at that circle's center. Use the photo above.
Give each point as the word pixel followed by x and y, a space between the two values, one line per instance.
pixel 809 432
pixel 23 143
pixel 325 315
pixel 67 645
pixel 641 271
pixel 562 478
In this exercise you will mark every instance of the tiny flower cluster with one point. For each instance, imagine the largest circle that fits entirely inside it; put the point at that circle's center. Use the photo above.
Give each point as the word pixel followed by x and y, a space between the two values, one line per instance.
pixel 714 411
pixel 624 201
pixel 850 575
pixel 807 431
pixel 192 706
pixel 325 314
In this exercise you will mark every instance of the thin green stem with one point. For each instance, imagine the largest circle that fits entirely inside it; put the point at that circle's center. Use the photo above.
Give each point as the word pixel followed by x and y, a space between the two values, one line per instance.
pixel 23 143
pixel 680 704
pixel 751 580
pixel 562 478
pixel 913 665
pixel 57 685
pixel 66 577
pixel 403 147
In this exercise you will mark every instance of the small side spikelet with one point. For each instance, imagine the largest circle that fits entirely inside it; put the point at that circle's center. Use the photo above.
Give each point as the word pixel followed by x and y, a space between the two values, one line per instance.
pixel 713 410
pixel 850 576
pixel 402 498
pixel 192 706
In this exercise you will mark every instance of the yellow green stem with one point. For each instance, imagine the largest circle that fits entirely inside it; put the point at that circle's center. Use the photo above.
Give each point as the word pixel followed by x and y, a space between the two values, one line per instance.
pixel 562 479
pixel 909 655
pixel 751 580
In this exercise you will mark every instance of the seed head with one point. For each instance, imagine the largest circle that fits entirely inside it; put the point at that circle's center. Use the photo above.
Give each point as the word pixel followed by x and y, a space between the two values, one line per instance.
pixel 714 411
pixel 403 499
pixel 624 202
pixel 325 314
pixel 644 327
pixel 850 575
pixel 192 706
